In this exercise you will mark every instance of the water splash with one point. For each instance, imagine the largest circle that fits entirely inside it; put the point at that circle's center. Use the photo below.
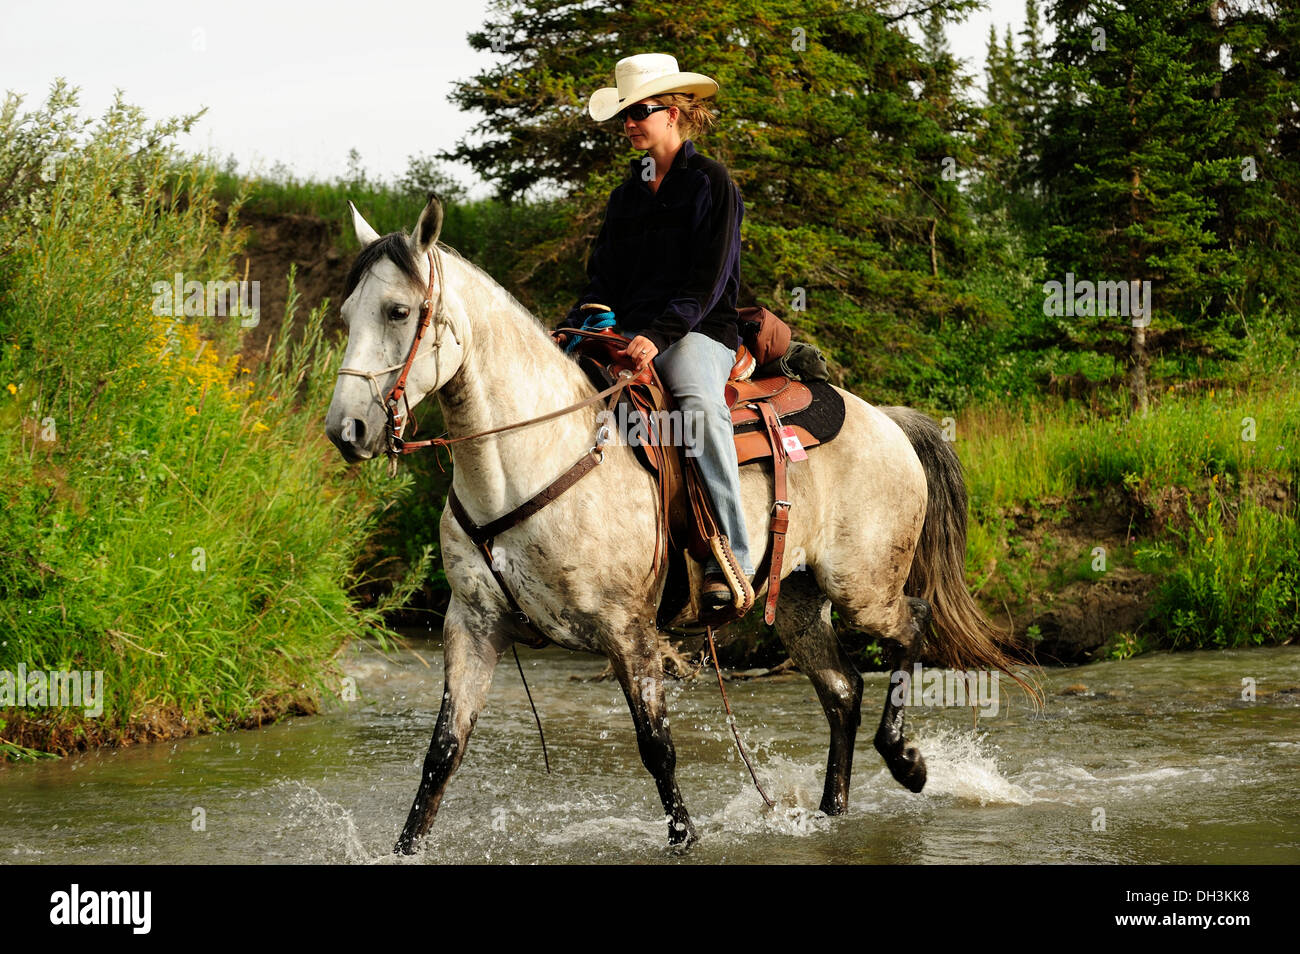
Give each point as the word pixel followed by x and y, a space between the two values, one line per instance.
pixel 622 832
pixel 1055 780
pixel 961 765
pixel 1159 780
pixel 323 827
pixel 796 789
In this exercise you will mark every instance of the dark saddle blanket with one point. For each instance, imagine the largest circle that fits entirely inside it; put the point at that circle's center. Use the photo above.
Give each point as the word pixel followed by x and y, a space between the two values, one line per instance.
pixel 814 410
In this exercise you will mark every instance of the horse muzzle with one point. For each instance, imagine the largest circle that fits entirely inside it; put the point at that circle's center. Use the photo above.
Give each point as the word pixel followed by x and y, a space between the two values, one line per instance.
pixel 355 439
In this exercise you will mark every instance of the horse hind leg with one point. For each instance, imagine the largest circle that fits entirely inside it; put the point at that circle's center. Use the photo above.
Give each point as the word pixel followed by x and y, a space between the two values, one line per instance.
pixel 471 649
pixel 639 669
pixel 803 624
pixel 905 761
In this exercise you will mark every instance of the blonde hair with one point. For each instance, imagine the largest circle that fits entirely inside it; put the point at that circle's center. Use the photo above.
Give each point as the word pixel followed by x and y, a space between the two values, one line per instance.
pixel 694 114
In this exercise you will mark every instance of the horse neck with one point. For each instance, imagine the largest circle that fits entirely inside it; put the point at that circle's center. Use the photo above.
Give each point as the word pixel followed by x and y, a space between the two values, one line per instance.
pixel 511 371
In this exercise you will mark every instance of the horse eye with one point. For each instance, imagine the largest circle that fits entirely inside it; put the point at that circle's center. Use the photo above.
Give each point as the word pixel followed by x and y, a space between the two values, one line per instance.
pixel 399 312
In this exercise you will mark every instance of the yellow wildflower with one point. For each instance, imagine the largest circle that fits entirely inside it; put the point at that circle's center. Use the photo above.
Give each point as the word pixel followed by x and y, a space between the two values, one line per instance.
pixel 259 426
pixel 190 410
pixel 13 389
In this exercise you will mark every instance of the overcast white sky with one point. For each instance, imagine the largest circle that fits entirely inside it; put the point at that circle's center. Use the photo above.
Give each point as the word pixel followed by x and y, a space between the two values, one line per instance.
pixel 299 83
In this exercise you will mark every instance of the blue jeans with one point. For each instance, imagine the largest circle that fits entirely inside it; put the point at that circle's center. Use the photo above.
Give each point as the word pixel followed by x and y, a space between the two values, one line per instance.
pixel 695 369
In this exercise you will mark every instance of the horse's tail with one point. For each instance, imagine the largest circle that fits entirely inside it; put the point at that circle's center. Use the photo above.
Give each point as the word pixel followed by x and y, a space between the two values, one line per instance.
pixel 961 636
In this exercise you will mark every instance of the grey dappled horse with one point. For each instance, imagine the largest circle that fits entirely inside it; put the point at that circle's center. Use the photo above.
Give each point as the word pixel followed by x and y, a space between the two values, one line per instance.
pixel 879 515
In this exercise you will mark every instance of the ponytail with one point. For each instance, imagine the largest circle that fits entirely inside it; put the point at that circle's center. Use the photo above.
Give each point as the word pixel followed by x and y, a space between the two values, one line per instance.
pixel 694 114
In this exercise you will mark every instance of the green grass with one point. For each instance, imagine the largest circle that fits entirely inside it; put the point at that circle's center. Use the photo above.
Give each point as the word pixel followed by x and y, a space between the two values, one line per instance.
pixel 1225 568
pixel 386 207
pixel 1237 582
pixel 1050 452
pixel 172 519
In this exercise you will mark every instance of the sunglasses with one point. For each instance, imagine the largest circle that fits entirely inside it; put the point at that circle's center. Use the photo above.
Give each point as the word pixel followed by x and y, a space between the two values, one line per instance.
pixel 639 112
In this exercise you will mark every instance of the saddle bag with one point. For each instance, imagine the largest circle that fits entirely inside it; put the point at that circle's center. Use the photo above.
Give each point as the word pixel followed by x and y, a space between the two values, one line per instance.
pixel 765 335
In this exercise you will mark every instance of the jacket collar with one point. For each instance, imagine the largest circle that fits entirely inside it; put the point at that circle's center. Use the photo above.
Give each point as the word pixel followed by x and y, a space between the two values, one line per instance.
pixel 684 154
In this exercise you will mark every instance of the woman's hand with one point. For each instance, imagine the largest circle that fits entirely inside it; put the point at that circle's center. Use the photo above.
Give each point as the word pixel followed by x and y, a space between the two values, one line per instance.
pixel 641 350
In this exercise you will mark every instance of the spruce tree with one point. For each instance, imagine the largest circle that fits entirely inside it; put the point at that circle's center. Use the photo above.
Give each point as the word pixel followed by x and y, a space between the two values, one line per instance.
pixel 1129 148
pixel 1259 205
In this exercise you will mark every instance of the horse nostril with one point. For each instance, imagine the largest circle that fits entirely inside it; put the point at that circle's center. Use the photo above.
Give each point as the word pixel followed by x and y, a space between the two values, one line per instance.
pixel 354 430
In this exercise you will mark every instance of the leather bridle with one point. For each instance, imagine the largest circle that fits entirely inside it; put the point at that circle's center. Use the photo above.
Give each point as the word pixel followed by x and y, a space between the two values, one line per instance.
pixel 393 443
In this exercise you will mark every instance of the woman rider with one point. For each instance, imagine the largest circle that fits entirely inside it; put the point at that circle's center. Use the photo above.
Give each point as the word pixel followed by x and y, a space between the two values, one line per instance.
pixel 667 263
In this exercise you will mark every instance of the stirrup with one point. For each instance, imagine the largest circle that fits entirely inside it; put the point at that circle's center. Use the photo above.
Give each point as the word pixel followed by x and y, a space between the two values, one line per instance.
pixel 742 594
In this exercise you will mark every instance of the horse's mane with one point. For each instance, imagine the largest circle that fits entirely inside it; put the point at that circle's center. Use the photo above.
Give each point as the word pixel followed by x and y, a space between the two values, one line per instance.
pixel 396 248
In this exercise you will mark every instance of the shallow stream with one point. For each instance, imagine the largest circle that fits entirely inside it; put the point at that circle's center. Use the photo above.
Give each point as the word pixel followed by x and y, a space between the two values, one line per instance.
pixel 1152 760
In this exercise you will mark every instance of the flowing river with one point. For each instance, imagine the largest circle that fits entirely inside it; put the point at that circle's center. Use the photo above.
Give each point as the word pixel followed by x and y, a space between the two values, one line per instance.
pixel 1153 760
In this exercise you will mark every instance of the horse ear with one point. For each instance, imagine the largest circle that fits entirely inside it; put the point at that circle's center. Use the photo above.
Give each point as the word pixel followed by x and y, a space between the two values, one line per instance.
pixel 365 234
pixel 428 228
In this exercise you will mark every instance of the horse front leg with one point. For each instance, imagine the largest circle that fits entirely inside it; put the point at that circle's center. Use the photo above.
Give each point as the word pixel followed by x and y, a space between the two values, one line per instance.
pixel 639 669
pixel 472 647
pixel 905 761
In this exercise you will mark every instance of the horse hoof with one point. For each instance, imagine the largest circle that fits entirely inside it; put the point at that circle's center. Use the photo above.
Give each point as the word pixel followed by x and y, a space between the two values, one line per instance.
pixel 908 769
pixel 404 846
pixel 681 836
pixel 832 806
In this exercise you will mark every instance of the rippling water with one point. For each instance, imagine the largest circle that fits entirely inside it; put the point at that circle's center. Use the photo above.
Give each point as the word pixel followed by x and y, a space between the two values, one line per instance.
pixel 1183 769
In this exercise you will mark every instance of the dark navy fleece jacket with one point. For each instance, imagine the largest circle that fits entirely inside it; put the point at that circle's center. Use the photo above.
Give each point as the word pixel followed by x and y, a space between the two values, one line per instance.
pixel 668 262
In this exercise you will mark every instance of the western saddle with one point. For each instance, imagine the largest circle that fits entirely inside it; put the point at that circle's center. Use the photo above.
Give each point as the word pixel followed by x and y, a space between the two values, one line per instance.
pixel 685 510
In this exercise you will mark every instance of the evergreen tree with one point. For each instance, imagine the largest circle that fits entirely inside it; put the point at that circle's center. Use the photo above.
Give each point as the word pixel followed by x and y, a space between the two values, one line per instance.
pixel 1130 146
pixel 1030 81
pixel 1015 88
pixel 1259 206
pixel 1000 140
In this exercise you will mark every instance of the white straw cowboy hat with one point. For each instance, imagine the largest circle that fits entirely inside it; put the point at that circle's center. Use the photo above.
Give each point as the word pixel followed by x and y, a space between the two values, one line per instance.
pixel 644 75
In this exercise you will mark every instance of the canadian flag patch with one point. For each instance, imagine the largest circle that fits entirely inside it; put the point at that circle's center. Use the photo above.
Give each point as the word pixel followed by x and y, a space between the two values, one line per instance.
pixel 790 441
